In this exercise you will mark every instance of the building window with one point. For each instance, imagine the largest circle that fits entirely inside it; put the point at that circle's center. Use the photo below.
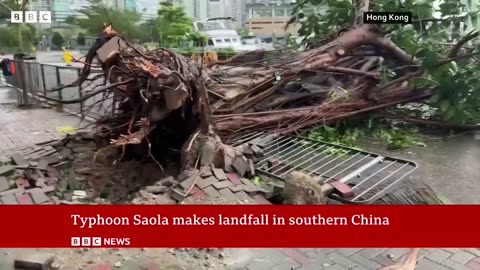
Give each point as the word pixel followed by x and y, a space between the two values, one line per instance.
pixel 210 42
pixel 218 40
pixel 227 40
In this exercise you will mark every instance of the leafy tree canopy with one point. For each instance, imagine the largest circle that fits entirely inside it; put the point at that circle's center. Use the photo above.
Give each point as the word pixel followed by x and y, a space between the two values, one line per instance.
pixel 435 30
pixel 173 23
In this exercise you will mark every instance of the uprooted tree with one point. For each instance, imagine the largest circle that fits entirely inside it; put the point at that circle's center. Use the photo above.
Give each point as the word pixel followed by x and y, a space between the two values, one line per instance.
pixel 168 102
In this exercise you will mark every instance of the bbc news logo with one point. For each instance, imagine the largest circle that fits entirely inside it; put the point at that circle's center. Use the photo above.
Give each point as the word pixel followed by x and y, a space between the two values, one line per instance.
pixel 31 17
pixel 98 241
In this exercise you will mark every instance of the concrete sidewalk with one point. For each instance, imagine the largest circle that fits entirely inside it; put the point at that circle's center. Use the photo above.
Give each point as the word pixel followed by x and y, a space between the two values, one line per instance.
pixel 25 127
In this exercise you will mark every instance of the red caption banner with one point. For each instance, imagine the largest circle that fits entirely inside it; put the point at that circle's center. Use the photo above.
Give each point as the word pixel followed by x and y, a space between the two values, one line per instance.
pixel 240 226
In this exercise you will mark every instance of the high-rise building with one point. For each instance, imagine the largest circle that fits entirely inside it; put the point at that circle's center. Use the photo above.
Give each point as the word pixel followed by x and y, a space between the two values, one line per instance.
pixel 197 10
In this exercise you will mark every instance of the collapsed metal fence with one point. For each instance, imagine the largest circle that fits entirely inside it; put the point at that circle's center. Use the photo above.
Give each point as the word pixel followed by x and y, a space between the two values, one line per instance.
pixel 32 79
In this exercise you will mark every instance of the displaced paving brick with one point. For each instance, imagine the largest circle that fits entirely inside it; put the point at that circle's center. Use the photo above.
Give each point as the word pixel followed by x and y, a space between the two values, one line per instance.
pixel 343 260
pixel 251 187
pixel 34 261
pixel 6 170
pixel 383 260
pixel 4 185
pixel 220 174
pixel 11 191
pixel 342 189
pixel 52 159
pixel 212 192
pixel 228 195
pixel 462 257
pixel 203 183
pixel 22 183
pixel 9 199
pixel 197 193
pixel 65 153
pixel 186 184
pixel 42 164
pixel 240 165
pixel 234 178
pixel 38 196
pixel 222 184
pixel 438 255
pixel 23 198
pixel 363 261
pixel 19 160
pixel 237 188
pixel 207 173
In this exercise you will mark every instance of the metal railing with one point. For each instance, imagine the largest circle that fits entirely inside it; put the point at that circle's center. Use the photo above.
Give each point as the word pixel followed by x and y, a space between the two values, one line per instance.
pixel 33 79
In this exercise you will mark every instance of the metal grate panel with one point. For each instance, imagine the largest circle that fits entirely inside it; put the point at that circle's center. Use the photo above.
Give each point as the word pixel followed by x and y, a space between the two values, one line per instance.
pixel 368 174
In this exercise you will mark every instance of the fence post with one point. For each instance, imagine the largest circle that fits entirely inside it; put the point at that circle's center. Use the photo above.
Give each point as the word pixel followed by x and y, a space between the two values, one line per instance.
pixel 80 94
pixel 44 83
pixel 21 71
pixel 59 106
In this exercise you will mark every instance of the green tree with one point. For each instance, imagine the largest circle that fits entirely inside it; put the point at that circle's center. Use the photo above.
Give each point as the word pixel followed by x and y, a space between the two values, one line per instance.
pixel 456 88
pixel 95 14
pixel 6 6
pixel 57 39
pixel 81 39
pixel 173 24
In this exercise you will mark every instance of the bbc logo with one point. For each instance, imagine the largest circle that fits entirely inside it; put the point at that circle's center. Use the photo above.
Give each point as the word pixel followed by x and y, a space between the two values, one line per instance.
pixel 86 241
pixel 31 17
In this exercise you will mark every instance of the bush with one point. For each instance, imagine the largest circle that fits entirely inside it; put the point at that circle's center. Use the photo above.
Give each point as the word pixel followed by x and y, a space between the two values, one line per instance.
pixel 57 39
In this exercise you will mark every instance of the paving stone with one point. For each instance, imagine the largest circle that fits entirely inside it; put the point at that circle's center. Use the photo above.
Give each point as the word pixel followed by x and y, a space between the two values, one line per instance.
pixel 197 193
pixel 220 174
pixel 6 170
pixel 34 261
pixel 473 265
pixel 342 260
pixel 348 251
pixel 228 195
pixel 4 185
pixel 222 184
pixel 19 160
pixel 395 253
pixel 22 183
pixel 260 199
pixel 234 178
pixel 383 260
pixel 250 186
pixel 8 199
pixel 426 264
pixel 203 183
pixel 65 153
pixel 211 192
pixel 287 264
pixel 454 265
pixel 186 184
pixel 261 264
pixel 207 173
pixel 452 250
pixel 474 251
pixel 43 164
pixel 11 191
pixel 438 255
pixel 244 197
pixel 24 198
pixel 462 257
pixel 240 165
pixel 52 159
pixel 38 196
pixel 371 252
pixel 297 256
pixel 238 188
pixel 363 261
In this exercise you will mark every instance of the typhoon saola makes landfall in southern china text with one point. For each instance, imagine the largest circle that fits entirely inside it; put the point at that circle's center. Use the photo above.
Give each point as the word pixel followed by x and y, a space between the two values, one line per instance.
pixel 246 219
